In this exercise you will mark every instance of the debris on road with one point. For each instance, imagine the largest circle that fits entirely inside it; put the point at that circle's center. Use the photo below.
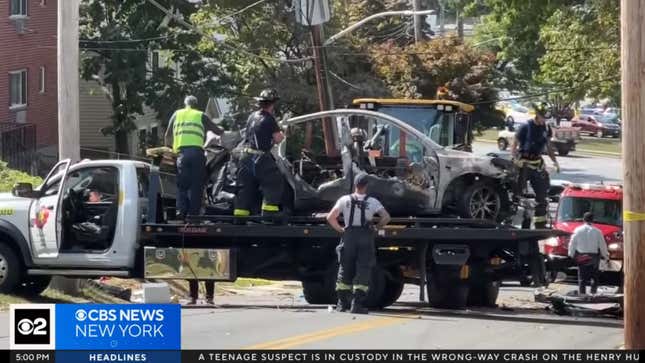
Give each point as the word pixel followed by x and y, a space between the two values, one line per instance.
pixel 605 304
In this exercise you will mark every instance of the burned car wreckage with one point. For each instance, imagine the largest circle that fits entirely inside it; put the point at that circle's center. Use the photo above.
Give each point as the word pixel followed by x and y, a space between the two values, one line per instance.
pixel 412 174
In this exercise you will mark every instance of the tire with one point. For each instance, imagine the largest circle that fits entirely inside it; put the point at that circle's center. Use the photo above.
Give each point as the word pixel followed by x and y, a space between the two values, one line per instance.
pixel 323 290
pixel 599 134
pixel 480 201
pixel 484 294
pixel 563 150
pixel 317 293
pixel 502 144
pixel 33 286
pixel 526 281
pixel 394 285
pixel 447 295
pixel 11 270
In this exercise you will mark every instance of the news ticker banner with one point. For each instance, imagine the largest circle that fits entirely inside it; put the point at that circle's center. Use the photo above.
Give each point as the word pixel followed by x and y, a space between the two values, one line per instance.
pixel 327 356
pixel 95 327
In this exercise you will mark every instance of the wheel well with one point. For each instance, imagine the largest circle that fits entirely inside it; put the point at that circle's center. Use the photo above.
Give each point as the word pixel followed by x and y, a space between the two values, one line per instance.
pixel 452 192
pixel 7 240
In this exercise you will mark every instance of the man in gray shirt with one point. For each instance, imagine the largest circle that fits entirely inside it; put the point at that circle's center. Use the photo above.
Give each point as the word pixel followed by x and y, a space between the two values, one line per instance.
pixel 356 251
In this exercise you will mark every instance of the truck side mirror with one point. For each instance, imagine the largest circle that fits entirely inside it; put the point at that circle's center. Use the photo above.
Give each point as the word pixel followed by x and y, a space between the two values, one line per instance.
pixel 23 190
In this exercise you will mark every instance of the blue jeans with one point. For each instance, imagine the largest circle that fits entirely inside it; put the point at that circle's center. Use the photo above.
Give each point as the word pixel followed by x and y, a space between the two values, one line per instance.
pixel 191 170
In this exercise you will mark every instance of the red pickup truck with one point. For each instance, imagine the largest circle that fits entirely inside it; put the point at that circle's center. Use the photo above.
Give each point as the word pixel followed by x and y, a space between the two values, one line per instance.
pixel 605 202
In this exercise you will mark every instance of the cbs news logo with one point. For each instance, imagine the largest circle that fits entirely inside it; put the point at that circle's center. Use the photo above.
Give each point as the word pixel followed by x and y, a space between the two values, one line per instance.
pixel 32 327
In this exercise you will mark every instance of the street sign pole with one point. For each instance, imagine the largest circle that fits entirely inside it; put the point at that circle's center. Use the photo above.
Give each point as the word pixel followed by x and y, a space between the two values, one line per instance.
pixel 633 109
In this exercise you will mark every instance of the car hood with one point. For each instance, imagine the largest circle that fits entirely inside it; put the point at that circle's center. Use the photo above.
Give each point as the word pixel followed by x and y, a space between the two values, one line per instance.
pixel 606 229
pixel 482 164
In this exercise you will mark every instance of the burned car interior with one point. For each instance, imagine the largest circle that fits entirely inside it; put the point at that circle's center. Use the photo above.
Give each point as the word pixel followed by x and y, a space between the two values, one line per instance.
pixel 410 172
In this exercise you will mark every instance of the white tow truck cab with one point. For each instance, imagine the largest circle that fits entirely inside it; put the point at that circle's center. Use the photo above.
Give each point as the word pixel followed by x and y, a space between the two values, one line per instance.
pixel 84 220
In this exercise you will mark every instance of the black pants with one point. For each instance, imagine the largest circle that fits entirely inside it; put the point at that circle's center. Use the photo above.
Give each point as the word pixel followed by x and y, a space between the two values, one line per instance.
pixel 540 182
pixel 194 289
pixel 588 275
pixel 356 257
pixel 258 172
pixel 191 169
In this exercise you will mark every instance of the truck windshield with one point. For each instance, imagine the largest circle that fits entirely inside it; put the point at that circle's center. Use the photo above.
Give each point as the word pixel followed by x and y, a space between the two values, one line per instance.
pixel 604 211
pixel 438 126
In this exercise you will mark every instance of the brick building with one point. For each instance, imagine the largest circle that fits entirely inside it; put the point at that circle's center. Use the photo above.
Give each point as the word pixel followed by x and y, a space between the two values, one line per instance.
pixel 28 66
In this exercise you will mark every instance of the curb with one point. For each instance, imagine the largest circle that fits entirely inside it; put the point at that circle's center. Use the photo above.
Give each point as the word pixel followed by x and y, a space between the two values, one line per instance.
pixel 581 151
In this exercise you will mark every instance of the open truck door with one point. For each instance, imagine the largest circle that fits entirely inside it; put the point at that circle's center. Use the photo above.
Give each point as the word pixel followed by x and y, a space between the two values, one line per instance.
pixel 46 215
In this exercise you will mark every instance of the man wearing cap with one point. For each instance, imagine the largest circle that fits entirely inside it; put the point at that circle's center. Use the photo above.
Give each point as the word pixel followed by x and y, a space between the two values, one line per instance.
pixel 186 133
pixel 587 246
pixel 531 139
pixel 356 251
pixel 257 169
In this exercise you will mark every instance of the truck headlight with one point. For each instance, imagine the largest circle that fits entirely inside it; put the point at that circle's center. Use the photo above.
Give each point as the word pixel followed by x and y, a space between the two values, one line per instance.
pixel 552 242
pixel 615 247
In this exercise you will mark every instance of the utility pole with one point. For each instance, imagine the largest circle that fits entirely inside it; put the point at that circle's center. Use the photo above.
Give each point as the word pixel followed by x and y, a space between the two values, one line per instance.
pixel 416 5
pixel 68 91
pixel 323 93
pixel 633 108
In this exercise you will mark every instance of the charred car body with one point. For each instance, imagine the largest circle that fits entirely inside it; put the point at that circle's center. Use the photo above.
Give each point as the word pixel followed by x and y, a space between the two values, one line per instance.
pixel 421 178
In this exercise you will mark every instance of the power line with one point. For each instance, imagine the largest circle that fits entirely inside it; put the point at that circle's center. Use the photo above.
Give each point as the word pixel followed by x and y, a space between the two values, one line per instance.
pixel 241 10
pixel 98 41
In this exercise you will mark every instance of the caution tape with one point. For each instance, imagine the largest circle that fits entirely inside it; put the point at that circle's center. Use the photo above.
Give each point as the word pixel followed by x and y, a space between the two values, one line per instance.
pixel 629 216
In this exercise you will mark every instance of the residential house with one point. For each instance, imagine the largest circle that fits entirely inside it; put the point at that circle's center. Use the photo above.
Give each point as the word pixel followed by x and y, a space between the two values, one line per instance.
pixel 28 98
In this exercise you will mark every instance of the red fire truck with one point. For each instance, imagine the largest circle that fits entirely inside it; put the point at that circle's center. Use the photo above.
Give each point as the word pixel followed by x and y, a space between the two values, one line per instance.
pixel 605 202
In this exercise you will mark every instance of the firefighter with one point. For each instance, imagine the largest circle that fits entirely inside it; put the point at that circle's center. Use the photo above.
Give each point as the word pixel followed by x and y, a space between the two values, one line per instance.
pixel 257 169
pixel 531 139
pixel 356 251
pixel 186 133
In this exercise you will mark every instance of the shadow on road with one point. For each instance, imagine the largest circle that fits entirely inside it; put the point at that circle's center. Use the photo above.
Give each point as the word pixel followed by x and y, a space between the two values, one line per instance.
pixel 518 315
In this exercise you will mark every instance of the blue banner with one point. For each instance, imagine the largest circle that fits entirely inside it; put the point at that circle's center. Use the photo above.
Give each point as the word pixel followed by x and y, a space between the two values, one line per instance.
pixel 112 356
pixel 118 327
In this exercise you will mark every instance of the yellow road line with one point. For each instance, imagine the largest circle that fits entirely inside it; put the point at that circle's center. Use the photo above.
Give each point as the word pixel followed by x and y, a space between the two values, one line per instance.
pixel 285 343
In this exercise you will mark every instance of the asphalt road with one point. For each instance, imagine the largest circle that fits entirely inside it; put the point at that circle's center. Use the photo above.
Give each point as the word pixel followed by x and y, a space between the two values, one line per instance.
pixel 576 167
pixel 278 318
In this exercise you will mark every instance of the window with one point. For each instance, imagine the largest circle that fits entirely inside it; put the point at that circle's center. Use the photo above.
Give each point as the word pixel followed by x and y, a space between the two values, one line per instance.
pixel 18 7
pixel 18 88
pixel 41 84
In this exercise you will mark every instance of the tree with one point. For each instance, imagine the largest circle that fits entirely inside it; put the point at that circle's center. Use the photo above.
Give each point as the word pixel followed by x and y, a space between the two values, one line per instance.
pixel 418 70
pixel 512 30
pixel 582 55
pixel 117 38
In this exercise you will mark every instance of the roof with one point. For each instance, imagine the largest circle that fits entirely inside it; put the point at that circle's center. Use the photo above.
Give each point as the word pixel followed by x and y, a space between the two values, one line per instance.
pixel 416 102
pixel 594 191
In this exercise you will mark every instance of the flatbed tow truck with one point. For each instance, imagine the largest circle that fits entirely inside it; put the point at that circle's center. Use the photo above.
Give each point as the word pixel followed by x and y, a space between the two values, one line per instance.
pixel 107 218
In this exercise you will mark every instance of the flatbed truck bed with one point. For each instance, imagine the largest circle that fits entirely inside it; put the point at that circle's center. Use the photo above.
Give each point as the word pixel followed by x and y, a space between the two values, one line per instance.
pixel 455 262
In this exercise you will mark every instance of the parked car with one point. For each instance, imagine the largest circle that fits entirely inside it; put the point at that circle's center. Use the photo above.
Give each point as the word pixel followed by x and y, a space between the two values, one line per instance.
pixel 605 202
pixel 564 138
pixel 516 113
pixel 597 125
pixel 420 179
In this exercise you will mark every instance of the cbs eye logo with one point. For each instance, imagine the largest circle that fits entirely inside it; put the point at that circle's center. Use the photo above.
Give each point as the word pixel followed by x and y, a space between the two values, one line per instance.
pixel 31 326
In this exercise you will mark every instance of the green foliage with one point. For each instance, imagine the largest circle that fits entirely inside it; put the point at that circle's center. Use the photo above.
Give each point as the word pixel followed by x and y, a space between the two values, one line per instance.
pixel 582 53
pixel 418 70
pixel 10 177
pixel 118 37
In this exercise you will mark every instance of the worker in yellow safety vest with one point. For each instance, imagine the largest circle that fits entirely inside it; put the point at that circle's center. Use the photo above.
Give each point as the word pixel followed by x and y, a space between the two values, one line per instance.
pixel 186 133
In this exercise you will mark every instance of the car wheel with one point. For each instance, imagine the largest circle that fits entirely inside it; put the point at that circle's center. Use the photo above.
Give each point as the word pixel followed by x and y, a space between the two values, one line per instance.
pixel 563 150
pixel 480 201
pixel 502 144
pixel 10 269
pixel 600 134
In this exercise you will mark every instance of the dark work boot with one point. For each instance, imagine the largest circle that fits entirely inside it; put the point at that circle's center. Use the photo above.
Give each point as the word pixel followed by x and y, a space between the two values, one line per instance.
pixel 344 300
pixel 358 303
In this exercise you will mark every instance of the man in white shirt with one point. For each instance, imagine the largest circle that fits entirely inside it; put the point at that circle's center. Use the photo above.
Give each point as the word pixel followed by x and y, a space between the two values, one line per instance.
pixel 587 246
pixel 356 251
